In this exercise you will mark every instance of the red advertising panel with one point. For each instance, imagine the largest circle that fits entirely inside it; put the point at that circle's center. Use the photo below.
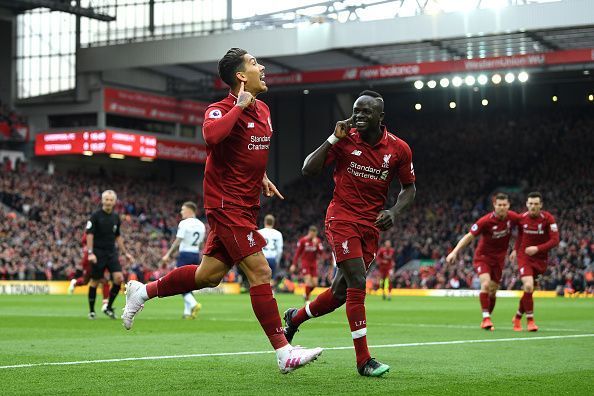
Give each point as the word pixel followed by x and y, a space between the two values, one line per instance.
pixel 131 145
pixel 96 141
pixel 181 151
pixel 154 107
pixel 419 69
pixel 115 142
pixel 60 143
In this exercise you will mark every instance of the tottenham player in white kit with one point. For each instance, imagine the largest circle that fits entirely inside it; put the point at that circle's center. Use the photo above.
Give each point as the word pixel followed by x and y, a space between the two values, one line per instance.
pixel 273 250
pixel 189 238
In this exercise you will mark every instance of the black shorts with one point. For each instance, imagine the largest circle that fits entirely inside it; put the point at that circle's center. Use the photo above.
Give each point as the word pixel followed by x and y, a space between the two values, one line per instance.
pixel 106 259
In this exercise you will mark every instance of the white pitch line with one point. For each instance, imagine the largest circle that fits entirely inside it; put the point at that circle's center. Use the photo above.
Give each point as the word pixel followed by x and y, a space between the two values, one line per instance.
pixel 415 325
pixel 199 355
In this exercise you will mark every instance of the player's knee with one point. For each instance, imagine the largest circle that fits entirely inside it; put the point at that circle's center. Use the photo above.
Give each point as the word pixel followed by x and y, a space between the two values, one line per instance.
pixel 262 274
pixel 528 288
pixel 338 292
pixel 117 279
pixel 493 287
pixel 357 281
pixel 213 280
pixel 485 286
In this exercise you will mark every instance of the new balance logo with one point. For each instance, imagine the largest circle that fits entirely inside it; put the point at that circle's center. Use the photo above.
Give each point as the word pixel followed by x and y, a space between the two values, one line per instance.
pixel 251 240
pixel 292 363
pixel 357 153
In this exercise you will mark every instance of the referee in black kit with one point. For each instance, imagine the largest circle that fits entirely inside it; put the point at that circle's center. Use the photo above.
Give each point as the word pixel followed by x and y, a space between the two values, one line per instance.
pixel 103 231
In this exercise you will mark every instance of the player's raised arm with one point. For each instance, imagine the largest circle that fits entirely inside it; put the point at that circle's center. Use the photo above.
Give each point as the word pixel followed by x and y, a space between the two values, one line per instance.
pixel 218 126
pixel 462 243
pixel 314 163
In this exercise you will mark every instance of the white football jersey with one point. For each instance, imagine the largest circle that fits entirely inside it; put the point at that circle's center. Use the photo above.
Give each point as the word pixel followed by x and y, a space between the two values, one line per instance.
pixel 274 243
pixel 192 232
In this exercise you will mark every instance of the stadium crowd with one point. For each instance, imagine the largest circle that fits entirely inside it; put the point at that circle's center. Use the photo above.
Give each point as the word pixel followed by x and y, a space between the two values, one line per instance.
pixel 459 164
pixel 44 216
pixel 13 126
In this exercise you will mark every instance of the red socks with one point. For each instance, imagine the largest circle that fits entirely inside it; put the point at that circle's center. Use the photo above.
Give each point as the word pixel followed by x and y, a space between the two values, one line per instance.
pixel 322 305
pixel 484 297
pixel 528 304
pixel 266 310
pixel 308 290
pixel 105 290
pixel 179 281
pixel 492 299
pixel 355 310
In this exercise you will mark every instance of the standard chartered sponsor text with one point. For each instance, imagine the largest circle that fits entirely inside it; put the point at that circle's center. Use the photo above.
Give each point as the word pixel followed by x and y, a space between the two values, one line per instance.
pixel 363 171
pixel 259 139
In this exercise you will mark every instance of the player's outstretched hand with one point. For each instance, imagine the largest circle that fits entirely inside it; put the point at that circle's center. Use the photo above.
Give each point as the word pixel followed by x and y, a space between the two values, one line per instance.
pixel 92 258
pixel 165 258
pixel 292 269
pixel 512 256
pixel 343 127
pixel 451 258
pixel 244 98
pixel 270 189
pixel 384 220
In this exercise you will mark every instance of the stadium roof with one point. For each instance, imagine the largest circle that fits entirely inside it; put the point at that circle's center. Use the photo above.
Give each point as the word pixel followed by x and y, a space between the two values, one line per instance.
pixel 481 33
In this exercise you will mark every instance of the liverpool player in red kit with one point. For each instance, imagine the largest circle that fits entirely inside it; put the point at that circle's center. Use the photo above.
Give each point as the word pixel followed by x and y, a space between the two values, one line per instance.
pixel 385 261
pixel 489 258
pixel 237 131
pixel 367 158
pixel 537 234
pixel 308 250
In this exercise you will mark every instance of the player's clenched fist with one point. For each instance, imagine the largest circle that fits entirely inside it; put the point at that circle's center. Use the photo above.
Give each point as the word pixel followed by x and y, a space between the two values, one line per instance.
pixel 244 98
pixel 342 128
pixel 451 258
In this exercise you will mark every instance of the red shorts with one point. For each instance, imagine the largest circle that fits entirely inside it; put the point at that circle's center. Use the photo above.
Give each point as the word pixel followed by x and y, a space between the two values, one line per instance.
pixel 530 266
pixel 233 234
pixel 351 240
pixel 489 265
pixel 309 268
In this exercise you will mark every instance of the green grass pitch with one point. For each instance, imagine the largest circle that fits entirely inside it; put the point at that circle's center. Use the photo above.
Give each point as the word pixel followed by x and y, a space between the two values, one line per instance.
pixel 43 329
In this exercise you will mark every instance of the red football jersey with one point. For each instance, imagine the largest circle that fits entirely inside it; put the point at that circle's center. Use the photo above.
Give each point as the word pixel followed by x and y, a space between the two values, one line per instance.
pixel 308 250
pixel 235 165
pixel 495 234
pixel 385 257
pixel 363 174
pixel 540 231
